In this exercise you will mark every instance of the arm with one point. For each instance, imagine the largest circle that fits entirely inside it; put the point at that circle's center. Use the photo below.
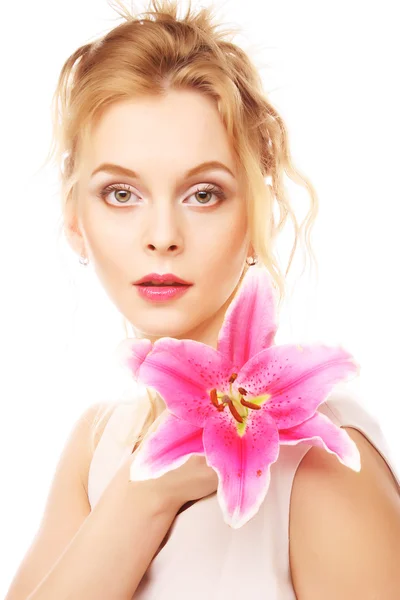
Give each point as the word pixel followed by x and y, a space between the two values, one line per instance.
pixel 113 548
pixel 345 527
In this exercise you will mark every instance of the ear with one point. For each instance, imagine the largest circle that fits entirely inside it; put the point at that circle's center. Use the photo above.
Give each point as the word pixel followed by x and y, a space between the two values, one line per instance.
pixel 72 230
pixel 250 251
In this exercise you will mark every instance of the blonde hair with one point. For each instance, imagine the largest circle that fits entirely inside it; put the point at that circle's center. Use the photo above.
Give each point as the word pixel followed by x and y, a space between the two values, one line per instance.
pixel 156 51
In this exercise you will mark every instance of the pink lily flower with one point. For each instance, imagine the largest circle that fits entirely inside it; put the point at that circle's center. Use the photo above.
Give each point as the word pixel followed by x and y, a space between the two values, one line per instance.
pixel 236 404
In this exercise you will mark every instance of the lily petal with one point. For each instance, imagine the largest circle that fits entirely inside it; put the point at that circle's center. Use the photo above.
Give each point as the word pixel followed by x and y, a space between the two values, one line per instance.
pixel 299 379
pixel 320 431
pixel 241 463
pixel 184 372
pixel 166 448
pixel 132 352
pixel 249 325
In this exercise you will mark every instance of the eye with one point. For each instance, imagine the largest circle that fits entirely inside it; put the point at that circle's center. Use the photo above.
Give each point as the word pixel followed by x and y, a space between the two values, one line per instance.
pixel 202 199
pixel 210 189
pixel 120 187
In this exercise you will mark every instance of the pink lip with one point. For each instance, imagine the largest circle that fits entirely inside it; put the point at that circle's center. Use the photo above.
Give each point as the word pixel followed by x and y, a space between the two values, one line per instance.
pixel 161 294
pixel 165 277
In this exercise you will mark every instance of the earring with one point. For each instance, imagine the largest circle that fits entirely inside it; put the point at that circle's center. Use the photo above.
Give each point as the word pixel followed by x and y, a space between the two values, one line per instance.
pixel 251 260
pixel 83 260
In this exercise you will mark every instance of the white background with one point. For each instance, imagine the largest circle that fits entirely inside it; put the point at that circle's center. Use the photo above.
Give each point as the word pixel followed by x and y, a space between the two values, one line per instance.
pixel 333 74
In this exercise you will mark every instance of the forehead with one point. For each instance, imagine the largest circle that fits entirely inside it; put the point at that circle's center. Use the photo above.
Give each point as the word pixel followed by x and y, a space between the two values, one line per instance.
pixel 179 129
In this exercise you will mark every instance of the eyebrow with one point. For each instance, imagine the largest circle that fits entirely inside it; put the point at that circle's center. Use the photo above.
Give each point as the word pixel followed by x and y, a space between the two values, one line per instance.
pixel 119 170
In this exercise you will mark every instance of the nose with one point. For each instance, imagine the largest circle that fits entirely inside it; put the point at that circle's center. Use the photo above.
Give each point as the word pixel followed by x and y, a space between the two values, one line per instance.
pixel 163 230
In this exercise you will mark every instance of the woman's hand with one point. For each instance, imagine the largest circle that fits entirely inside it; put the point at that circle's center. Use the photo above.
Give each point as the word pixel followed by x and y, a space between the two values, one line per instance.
pixel 191 481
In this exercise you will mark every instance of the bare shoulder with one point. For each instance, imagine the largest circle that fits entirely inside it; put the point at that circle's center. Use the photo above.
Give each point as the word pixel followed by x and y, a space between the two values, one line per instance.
pixel 346 519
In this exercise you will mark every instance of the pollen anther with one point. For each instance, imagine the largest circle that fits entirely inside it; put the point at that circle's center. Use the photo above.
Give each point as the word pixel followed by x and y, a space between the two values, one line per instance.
pixel 249 404
pixel 214 398
pixel 234 412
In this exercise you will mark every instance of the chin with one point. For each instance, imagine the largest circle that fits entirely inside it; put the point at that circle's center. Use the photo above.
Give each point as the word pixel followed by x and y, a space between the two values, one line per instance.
pixel 164 325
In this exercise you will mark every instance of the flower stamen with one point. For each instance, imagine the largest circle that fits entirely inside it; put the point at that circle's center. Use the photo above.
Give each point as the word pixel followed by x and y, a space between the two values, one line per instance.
pixel 242 391
pixel 234 411
pixel 214 398
pixel 249 404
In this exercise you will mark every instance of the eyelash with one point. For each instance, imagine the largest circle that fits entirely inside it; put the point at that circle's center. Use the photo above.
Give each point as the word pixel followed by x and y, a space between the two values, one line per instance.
pixel 217 191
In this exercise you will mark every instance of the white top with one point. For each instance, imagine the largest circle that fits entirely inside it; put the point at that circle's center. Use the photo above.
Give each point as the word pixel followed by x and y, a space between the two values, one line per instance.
pixel 202 557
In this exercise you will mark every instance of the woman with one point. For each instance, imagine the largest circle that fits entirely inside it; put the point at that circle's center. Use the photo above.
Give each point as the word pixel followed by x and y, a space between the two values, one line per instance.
pixel 166 138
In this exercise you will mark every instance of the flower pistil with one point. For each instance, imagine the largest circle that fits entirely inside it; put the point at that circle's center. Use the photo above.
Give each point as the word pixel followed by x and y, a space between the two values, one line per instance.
pixel 238 406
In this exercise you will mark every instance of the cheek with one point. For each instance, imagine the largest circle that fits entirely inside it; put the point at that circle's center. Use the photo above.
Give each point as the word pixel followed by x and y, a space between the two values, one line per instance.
pixel 224 232
pixel 109 237
pixel 223 251
pixel 231 240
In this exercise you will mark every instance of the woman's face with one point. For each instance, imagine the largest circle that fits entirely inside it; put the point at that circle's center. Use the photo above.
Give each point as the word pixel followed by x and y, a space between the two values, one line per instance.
pixel 159 221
